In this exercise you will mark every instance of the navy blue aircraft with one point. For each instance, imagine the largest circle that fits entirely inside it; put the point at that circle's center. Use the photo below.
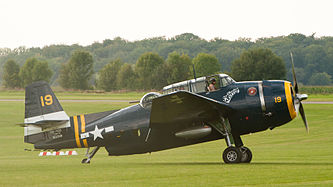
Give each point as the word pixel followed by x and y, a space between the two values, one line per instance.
pixel 189 112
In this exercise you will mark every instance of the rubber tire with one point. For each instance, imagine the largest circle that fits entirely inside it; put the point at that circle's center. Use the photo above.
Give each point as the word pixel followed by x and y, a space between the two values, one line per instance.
pixel 232 155
pixel 247 155
pixel 84 161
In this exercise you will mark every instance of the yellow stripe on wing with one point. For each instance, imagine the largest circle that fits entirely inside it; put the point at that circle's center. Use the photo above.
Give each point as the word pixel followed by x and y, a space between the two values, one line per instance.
pixel 83 129
pixel 76 131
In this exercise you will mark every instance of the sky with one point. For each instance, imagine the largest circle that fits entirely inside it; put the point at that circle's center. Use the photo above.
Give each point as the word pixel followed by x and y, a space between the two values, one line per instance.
pixel 38 23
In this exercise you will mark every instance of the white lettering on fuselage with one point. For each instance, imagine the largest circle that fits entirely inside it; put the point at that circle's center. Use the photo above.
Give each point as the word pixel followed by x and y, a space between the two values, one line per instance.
pixel 230 94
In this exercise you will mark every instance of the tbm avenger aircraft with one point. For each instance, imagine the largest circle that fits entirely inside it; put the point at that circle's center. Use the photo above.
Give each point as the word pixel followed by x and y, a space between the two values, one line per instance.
pixel 185 114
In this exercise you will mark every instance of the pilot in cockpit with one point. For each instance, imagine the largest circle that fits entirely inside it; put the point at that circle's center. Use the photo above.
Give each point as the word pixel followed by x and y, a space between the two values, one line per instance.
pixel 211 86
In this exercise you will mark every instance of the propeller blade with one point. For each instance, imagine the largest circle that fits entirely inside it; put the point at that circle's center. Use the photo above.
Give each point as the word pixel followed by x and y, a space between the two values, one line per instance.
pixel 301 111
pixel 294 74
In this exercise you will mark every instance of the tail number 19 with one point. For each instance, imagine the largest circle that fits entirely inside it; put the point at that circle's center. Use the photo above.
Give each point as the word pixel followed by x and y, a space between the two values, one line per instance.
pixel 46 100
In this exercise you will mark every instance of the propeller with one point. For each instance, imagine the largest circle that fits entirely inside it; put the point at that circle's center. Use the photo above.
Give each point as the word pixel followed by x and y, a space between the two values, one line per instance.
pixel 299 97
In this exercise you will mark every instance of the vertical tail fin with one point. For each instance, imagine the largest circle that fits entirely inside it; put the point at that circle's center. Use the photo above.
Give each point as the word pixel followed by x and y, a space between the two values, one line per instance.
pixel 42 105
pixel 43 112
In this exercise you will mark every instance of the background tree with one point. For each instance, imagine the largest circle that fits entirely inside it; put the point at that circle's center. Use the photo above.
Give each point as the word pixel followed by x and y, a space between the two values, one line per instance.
pixel 206 64
pixel 41 71
pixel 64 76
pixel 145 67
pixel 79 70
pixel 179 67
pixel 10 76
pixel 320 79
pixel 107 76
pixel 258 64
pixel 34 70
pixel 161 76
pixel 313 54
pixel 26 71
pixel 126 78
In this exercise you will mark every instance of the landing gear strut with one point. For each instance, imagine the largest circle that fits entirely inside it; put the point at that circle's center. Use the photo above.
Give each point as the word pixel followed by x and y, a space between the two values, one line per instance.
pixel 90 155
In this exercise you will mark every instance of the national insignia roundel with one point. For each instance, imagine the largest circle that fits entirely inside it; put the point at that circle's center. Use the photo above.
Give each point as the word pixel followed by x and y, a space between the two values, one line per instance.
pixel 252 91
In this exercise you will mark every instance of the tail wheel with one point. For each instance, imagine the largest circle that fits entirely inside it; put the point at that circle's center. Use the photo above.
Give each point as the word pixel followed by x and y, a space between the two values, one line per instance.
pixel 246 155
pixel 232 155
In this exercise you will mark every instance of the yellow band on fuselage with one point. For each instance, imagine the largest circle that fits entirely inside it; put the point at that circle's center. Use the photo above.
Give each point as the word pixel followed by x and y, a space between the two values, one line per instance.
pixel 83 129
pixel 291 108
pixel 76 131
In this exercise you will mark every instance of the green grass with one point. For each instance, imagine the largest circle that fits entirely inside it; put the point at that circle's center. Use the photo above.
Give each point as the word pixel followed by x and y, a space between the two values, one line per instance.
pixel 286 156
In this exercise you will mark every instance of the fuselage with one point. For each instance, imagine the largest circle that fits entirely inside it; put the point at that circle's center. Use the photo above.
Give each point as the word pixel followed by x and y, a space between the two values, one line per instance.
pixel 258 105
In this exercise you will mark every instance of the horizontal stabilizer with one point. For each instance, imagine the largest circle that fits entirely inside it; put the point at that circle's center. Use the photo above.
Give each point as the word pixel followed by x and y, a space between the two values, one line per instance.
pixel 60 116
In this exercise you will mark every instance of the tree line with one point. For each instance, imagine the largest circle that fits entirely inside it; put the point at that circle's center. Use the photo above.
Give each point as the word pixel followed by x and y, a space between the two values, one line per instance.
pixel 313 56
pixel 151 71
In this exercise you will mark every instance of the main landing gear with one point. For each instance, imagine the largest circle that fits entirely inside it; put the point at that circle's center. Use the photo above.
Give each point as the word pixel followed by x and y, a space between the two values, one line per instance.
pixel 233 155
pixel 89 155
pixel 236 153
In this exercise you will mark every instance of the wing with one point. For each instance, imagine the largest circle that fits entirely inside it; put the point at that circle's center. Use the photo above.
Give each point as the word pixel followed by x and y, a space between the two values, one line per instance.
pixel 183 107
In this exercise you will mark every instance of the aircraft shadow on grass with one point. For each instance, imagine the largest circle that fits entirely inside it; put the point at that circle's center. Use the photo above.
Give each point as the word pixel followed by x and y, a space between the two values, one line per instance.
pixel 252 163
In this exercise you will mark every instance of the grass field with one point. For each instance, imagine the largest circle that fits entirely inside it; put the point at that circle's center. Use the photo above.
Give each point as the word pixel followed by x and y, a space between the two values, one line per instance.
pixel 286 156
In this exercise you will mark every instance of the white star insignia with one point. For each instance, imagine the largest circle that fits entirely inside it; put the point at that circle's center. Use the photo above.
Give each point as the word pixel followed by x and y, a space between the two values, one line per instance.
pixel 97 133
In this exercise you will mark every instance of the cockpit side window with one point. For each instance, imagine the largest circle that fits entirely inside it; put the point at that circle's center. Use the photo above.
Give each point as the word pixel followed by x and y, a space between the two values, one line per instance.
pixel 225 81
pixel 230 80
pixel 200 86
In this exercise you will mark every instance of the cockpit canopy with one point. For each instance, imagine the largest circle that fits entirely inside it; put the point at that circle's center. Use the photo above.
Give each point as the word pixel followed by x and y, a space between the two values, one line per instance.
pixel 200 84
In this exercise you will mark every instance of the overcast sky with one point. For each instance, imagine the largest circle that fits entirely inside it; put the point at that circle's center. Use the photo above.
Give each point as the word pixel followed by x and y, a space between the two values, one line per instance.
pixel 36 23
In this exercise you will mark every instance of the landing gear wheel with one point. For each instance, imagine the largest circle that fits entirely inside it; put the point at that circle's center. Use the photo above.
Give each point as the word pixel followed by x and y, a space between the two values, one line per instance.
pixel 247 155
pixel 232 155
pixel 84 161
